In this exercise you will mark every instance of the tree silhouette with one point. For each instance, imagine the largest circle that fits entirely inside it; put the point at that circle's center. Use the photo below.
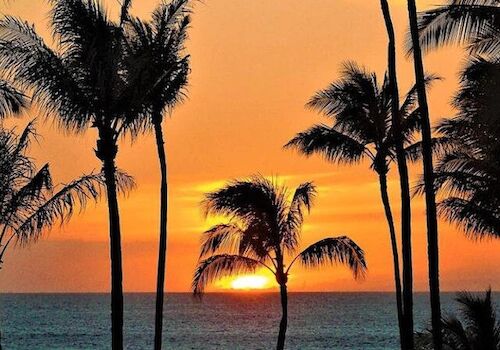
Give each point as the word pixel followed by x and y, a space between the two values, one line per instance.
pixel 430 195
pixel 361 111
pixel 405 318
pixel 155 55
pixel 468 168
pixel 479 329
pixel 264 229
pixel 82 84
pixel 474 23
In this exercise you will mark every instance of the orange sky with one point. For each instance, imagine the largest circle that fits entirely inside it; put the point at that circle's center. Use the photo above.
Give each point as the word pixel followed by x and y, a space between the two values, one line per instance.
pixel 254 65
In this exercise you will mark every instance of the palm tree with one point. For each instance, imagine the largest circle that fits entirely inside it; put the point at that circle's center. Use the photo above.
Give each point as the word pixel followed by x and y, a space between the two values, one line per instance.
pixel 84 84
pixel 363 129
pixel 475 23
pixel 468 168
pixel 156 54
pixel 263 230
pixel 479 329
pixel 406 319
pixel 430 195
pixel 29 202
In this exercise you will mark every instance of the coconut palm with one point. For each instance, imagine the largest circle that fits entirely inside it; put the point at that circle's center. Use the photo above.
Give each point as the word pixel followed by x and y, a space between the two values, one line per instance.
pixel 430 195
pixel 479 329
pixel 475 23
pixel 83 84
pixel 361 111
pixel 405 320
pixel 468 168
pixel 29 202
pixel 263 231
pixel 156 56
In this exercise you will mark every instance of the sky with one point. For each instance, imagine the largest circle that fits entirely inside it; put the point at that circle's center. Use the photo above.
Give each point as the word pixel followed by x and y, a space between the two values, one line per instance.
pixel 254 66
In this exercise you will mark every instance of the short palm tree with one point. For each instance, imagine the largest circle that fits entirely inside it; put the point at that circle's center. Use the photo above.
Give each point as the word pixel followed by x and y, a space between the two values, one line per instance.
pixel 155 55
pixel 83 83
pixel 362 128
pixel 475 23
pixel 479 329
pixel 468 168
pixel 263 231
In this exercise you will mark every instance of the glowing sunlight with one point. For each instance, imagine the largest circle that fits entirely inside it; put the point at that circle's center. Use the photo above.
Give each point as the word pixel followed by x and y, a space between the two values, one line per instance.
pixel 247 282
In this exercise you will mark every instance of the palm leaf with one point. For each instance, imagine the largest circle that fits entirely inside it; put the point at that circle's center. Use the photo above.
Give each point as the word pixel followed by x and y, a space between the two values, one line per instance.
pixel 338 250
pixel 335 146
pixel 218 266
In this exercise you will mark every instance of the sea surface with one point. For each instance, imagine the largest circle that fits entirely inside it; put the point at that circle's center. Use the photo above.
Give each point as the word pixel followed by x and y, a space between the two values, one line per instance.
pixel 226 321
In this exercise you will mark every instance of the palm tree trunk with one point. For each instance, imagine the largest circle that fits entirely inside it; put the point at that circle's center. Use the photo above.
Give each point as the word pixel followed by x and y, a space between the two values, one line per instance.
pixel 430 197
pixel 163 235
pixel 403 181
pixel 395 255
pixel 284 317
pixel 106 151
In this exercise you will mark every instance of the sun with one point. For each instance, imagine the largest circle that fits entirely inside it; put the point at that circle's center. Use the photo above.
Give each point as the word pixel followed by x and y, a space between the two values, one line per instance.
pixel 248 282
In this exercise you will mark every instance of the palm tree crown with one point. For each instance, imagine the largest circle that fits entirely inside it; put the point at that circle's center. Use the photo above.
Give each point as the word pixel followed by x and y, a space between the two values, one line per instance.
pixel 467 173
pixel 475 23
pixel 361 112
pixel 263 230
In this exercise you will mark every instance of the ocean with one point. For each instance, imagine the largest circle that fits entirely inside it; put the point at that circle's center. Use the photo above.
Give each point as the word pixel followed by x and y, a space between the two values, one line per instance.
pixel 226 321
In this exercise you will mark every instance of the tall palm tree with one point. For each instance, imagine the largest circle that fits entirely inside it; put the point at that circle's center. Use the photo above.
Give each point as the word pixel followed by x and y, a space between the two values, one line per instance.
pixel 83 84
pixel 468 168
pixel 264 230
pixel 430 196
pixel 475 23
pixel 480 328
pixel 406 338
pixel 156 55
pixel 29 202
pixel 361 111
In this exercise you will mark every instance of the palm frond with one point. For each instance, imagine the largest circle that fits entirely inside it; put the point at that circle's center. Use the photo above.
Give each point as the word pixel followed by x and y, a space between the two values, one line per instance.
pixel 302 199
pixel 334 145
pixel 459 22
pixel 12 100
pixel 220 237
pixel 26 59
pixel 338 250
pixel 219 266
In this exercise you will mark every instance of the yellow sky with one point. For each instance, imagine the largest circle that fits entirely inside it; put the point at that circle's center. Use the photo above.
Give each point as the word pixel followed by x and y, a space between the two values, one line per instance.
pixel 254 65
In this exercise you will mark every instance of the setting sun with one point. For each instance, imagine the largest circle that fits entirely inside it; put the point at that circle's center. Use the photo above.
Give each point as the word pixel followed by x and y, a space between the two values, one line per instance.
pixel 250 282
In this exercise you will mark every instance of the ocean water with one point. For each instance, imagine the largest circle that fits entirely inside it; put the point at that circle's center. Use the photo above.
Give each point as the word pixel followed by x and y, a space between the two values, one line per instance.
pixel 355 321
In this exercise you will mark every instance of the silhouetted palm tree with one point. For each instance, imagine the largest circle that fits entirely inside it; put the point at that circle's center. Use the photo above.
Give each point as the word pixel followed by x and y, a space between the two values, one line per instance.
pixel 156 55
pixel 264 229
pixel 84 84
pixel 475 23
pixel 406 319
pixel 361 112
pixel 468 171
pixel 479 330
pixel 430 195
pixel 29 202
